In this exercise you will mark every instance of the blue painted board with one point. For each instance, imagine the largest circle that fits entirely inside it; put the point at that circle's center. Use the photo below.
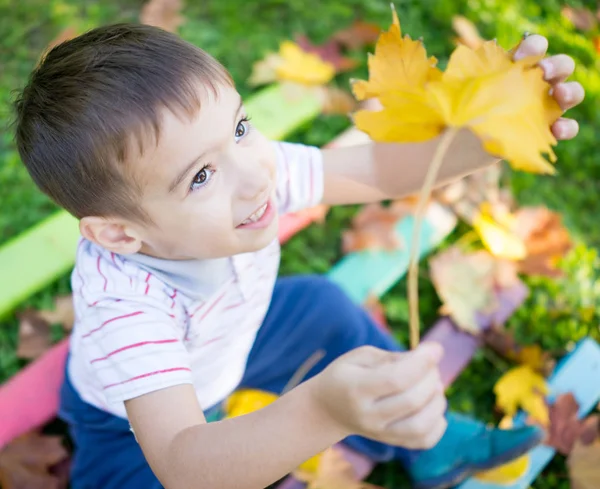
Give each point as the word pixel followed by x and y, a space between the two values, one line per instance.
pixel 579 373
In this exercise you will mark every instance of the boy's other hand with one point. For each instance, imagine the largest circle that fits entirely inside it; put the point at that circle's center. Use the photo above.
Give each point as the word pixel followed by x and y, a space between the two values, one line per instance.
pixel 393 397
pixel 556 70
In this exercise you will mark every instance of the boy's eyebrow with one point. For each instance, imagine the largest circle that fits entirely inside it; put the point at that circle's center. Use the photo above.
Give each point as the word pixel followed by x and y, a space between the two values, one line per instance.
pixel 193 163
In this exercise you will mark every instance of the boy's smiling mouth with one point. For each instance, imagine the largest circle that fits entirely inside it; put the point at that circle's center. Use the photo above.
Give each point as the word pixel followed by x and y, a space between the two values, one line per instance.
pixel 260 218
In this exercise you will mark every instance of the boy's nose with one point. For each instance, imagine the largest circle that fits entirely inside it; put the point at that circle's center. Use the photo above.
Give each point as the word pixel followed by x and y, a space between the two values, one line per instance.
pixel 253 180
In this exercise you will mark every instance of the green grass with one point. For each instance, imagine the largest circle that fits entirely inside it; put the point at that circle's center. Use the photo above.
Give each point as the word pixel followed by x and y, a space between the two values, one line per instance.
pixel 557 313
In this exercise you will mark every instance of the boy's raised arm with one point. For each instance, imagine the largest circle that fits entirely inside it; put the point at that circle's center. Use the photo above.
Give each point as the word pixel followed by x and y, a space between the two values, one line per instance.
pixel 396 398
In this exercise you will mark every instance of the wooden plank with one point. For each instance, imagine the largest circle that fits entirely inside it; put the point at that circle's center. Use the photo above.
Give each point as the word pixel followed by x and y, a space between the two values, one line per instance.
pixel 577 373
pixel 37 257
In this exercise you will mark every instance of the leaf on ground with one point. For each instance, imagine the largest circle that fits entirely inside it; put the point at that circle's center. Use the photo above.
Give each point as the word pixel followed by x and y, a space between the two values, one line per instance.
pixel 467 32
pixel 503 342
pixel 468 284
pixel 329 52
pixel 28 463
pixel 357 35
pixel 165 14
pixel 566 429
pixel 584 466
pixel 333 472
pixel 522 387
pixel 597 44
pixel 374 227
pixel 506 474
pixel 581 17
pixel 63 312
pixel 546 240
pixel 292 64
pixel 336 101
pixel 34 335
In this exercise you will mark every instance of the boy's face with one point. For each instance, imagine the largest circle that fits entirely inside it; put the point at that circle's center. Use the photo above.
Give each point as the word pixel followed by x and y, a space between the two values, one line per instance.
pixel 209 184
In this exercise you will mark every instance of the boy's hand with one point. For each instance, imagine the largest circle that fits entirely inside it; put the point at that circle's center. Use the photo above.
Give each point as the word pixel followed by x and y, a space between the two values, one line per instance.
pixel 395 398
pixel 556 69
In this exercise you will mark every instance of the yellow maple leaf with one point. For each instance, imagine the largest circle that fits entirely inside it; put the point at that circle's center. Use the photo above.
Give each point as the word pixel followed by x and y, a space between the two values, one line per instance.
pixel 245 401
pixel 506 474
pixel 522 387
pixel 505 103
pixel 498 236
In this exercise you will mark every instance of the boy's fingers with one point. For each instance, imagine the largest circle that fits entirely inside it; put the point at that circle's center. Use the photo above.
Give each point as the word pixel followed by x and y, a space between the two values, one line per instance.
pixel 557 68
pixel 407 403
pixel 408 370
pixel 422 428
pixel 565 129
pixel 533 45
pixel 568 94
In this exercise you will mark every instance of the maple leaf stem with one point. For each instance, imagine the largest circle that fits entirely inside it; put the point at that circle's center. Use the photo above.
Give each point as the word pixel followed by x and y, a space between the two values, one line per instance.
pixel 413 267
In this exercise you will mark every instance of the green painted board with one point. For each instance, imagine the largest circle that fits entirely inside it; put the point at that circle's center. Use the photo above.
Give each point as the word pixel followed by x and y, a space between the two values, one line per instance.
pixel 40 255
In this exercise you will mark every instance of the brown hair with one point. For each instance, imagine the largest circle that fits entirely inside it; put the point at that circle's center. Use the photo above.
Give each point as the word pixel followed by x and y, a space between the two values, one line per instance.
pixel 94 95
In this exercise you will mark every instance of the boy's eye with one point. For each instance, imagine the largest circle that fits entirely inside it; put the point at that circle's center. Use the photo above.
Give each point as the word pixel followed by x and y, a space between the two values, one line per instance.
pixel 242 129
pixel 202 177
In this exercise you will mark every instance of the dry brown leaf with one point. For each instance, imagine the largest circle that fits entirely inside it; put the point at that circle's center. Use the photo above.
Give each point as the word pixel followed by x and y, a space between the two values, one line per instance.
pixel 482 277
pixel 165 14
pixel 333 472
pixel 581 18
pixel 546 240
pixel 359 34
pixel 63 312
pixel 330 52
pixel 584 469
pixel 566 429
pixel 373 227
pixel 34 335
pixel 336 101
pixel 503 342
pixel 29 462
pixel 467 32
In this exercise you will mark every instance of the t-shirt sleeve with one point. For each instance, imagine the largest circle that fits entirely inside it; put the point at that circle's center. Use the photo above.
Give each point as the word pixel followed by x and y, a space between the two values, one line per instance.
pixel 299 176
pixel 133 348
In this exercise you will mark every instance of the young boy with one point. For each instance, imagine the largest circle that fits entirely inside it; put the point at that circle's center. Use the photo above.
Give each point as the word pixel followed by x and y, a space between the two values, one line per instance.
pixel 144 138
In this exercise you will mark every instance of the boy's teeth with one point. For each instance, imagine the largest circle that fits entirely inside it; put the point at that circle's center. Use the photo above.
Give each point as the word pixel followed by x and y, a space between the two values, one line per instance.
pixel 256 216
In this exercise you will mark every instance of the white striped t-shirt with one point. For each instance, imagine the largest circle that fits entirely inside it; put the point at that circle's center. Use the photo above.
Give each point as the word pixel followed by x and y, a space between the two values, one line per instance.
pixel 143 323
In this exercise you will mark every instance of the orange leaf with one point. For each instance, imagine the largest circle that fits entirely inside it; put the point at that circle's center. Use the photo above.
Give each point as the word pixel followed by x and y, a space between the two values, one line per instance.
pixel 328 52
pixel 373 227
pixel 597 44
pixel 467 32
pixel 584 469
pixel 165 14
pixel 29 462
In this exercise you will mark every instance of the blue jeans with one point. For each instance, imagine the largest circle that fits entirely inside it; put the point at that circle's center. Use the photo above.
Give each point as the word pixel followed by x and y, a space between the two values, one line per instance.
pixel 307 314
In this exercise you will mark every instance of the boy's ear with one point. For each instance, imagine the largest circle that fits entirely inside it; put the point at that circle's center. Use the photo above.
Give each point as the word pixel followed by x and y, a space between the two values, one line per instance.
pixel 113 235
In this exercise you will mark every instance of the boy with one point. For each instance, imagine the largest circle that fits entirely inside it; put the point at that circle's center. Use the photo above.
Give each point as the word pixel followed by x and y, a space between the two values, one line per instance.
pixel 144 138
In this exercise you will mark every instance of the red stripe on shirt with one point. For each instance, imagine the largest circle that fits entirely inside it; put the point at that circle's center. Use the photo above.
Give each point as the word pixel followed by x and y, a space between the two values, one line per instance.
pixel 173 298
pixel 149 374
pixel 125 316
pixel 217 300
pixel 134 345
pixel 100 272
pixel 147 284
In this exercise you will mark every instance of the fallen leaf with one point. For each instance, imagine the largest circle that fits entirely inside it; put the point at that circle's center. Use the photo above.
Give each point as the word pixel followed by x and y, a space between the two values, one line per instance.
pixel 546 240
pixel 374 228
pixel 333 472
pixel 34 335
pixel 507 474
pixel 522 387
pixel 566 428
pixel 581 17
pixel 292 64
pixel 584 469
pixel 467 32
pixel 165 14
pixel 63 312
pixel 28 462
pixel 503 342
pixel 336 101
pixel 506 103
pixel 597 44
pixel 482 277
pixel 375 309
pixel 356 36
pixel 328 52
